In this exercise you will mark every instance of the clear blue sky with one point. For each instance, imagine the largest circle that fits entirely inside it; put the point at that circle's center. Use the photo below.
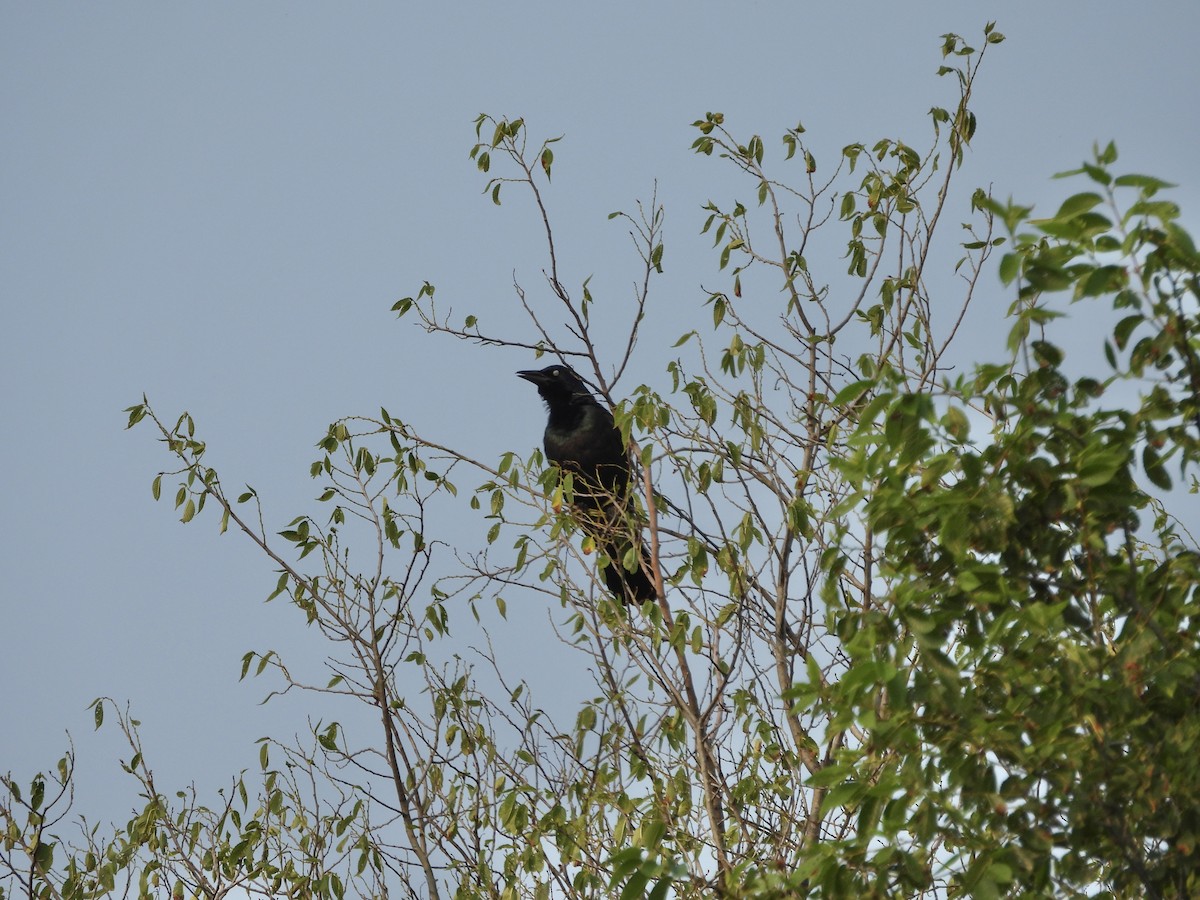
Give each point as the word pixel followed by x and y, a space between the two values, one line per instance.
pixel 218 203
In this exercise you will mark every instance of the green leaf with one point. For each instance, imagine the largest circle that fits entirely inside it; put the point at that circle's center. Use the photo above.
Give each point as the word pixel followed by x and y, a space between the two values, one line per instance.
pixel 1145 182
pixel 1101 281
pixel 1080 203
pixel 635 887
pixel 828 775
pixel 1100 467
pixel 1155 471
pixel 1010 267
pixel 852 392
pixel 1079 227
pixel 37 793
pixel 43 857
pixel 1125 328
pixel 652 833
pixel 847 793
pixel 957 424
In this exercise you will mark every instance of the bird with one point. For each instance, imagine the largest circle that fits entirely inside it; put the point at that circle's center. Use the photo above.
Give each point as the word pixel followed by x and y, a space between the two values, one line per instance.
pixel 582 438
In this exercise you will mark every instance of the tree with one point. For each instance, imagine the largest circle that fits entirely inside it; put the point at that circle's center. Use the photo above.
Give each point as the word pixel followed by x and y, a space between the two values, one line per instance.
pixel 925 632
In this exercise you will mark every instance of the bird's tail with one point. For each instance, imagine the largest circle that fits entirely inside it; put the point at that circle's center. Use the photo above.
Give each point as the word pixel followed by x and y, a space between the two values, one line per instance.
pixel 634 587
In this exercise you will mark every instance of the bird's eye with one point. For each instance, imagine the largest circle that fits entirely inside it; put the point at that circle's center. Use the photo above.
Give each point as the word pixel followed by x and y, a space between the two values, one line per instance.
pixel 556 373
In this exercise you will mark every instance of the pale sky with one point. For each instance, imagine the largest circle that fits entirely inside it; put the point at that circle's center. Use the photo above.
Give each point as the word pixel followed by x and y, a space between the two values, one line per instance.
pixel 217 204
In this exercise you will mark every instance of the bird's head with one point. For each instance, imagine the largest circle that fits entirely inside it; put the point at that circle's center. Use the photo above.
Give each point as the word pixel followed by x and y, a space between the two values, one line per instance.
pixel 557 384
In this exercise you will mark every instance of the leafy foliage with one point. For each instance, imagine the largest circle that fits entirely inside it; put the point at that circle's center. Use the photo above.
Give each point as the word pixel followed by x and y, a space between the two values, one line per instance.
pixel 925 631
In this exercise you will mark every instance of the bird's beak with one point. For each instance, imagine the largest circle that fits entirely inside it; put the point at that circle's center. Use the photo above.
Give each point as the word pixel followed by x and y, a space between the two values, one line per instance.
pixel 533 375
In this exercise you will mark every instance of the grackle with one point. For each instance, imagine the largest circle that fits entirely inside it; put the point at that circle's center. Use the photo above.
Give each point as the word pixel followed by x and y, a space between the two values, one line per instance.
pixel 582 438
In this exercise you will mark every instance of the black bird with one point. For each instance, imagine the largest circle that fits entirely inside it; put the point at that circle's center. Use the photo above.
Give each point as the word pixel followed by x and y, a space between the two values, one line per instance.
pixel 582 438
